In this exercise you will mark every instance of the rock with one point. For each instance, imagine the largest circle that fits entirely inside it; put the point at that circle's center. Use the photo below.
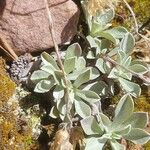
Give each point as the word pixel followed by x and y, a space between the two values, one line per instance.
pixel 24 24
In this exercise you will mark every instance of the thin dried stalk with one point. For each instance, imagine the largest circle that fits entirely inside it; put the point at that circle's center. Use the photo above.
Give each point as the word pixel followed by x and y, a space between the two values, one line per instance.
pixel 7 48
pixel 67 97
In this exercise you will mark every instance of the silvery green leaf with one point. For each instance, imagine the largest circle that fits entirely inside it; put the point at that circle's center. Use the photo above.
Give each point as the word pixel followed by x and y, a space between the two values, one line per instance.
pixel 69 64
pixel 44 86
pixel 96 28
pixel 100 64
pixel 100 88
pixel 54 113
pixel 118 32
pixel 127 62
pixel 113 51
pixel 123 130
pixel 138 136
pixel 58 92
pixel 137 120
pixel 39 75
pixel 82 109
pixel 108 36
pixel 61 106
pixel 90 126
pixel 137 61
pixel 127 43
pixel 73 50
pixel 138 68
pixel 73 76
pixel 90 55
pixel 113 74
pixel 122 57
pixel 116 146
pixel 95 74
pixel 88 96
pixel 125 75
pixel 105 121
pixel 95 143
pixel 80 63
pixel 130 87
pixel 123 110
pixel 82 78
pixel 91 41
pixel 48 68
pixel 106 17
pixel 49 60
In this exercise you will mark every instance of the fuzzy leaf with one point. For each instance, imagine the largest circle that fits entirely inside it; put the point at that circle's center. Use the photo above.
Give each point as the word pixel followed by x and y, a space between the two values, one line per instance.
pixel 123 110
pixel 69 64
pixel 82 108
pixel 58 92
pixel 94 73
pixel 73 76
pixel 39 75
pixel 137 120
pixel 88 96
pixel 117 32
pixel 116 146
pixel 108 36
pixel 127 43
pixel 105 120
pixel 90 55
pixel 48 68
pixel 90 126
pixel 100 88
pixel 49 60
pixel 80 63
pixel 138 68
pixel 73 50
pixel 100 64
pixel 44 86
pixel 106 17
pixel 92 42
pixel 130 87
pixel 123 130
pixel 95 144
pixel 82 78
pixel 138 136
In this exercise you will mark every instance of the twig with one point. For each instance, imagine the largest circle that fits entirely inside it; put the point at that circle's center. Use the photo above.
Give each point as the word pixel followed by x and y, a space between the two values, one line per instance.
pixel 135 22
pixel 7 48
pixel 51 28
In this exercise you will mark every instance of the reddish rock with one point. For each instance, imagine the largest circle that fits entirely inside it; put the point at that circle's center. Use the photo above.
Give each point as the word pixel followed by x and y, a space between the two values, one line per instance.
pixel 24 23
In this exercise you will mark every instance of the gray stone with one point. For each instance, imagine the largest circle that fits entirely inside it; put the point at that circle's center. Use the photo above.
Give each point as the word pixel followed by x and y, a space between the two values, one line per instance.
pixel 24 23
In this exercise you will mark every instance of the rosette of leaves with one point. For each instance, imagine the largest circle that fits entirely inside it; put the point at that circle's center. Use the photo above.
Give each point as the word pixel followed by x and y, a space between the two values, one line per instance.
pixel 50 77
pixel 126 124
pixel 112 49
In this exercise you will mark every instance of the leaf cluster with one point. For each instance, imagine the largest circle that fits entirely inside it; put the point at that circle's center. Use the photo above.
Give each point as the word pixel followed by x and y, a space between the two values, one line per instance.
pixel 77 90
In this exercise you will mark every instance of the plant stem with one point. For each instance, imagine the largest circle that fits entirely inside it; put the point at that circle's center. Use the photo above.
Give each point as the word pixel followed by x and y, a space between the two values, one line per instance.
pixel 51 28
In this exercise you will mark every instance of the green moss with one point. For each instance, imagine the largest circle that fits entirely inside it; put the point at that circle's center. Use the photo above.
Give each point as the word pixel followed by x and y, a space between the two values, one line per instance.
pixel 7 86
pixel 147 146
pixel 142 104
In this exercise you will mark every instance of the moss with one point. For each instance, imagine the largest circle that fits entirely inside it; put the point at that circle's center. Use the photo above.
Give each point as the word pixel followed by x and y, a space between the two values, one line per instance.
pixel 142 104
pixel 7 86
pixel 147 146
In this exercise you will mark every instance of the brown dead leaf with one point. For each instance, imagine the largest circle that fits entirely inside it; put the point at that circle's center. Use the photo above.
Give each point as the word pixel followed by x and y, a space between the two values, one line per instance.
pixel 77 136
pixel 61 141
